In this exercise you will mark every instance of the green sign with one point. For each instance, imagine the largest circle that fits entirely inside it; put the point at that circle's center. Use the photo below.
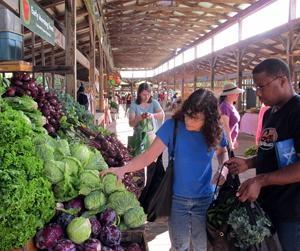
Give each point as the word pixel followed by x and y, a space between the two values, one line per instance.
pixel 36 20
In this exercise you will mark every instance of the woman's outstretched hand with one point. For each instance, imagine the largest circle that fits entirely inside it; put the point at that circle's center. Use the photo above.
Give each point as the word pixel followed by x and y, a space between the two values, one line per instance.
pixel 115 170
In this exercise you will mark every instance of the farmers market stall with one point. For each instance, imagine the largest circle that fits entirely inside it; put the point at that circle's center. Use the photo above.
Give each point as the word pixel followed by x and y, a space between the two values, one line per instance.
pixel 50 186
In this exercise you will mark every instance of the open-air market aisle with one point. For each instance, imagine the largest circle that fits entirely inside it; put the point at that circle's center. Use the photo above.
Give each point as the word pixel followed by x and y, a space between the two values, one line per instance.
pixel 120 126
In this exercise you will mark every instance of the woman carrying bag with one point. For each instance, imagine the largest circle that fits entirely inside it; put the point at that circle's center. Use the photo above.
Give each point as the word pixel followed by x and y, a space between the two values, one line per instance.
pixel 198 135
pixel 143 116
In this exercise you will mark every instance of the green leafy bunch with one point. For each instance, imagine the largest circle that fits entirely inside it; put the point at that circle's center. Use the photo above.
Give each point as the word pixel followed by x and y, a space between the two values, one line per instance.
pixel 244 233
pixel 27 200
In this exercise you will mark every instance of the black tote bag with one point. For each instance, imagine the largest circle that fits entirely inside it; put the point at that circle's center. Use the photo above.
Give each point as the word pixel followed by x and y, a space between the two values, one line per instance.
pixel 156 198
pixel 219 232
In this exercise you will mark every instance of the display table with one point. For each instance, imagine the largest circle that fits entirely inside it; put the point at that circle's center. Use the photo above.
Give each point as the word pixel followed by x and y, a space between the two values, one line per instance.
pixel 249 123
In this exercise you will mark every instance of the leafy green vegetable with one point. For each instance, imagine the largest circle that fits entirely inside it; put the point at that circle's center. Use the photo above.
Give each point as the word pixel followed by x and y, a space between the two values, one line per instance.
pixel 45 152
pixel 27 200
pixel 250 151
pixel 135 217
pixel 110 184
pixel 81 152
pixel 77 115
pixel 74 164
pixel 244 233
pixel 122 201
pixel 95 161
pixel 67 188
pixel 54 171
pixel 95 200
pixel 61 149
pixel 4 84
pixel 79 230
pixel 36 118
pixel 89 181
pixel 24 103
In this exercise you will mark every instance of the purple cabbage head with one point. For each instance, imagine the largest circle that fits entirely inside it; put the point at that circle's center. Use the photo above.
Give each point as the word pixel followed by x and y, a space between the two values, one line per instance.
pixel 47 237
pixel 65 245
pixel 63 219
pixel 75 203
pixel 110 236
pixel 108 217
pixel 96 226
pixel 92 245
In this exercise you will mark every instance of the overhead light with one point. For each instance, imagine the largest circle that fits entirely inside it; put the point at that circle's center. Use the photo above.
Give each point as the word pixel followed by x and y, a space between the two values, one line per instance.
pixel 165 2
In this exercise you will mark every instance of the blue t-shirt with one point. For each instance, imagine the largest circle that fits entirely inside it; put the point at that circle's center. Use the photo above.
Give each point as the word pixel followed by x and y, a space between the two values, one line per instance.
pixel 153 107
pixel 192 165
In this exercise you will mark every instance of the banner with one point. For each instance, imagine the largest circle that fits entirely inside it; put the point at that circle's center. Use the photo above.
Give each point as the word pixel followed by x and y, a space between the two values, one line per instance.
pixel 36 20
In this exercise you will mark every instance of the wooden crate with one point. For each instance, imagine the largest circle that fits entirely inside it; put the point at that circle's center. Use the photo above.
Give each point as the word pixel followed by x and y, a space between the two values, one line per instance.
pixel 14 66
pixel 135 236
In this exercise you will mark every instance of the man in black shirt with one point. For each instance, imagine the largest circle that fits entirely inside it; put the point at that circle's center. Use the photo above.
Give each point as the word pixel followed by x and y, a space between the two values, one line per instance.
pixel 277 183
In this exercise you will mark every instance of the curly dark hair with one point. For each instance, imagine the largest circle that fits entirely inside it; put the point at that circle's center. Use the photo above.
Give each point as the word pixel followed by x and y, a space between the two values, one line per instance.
pixel 203 101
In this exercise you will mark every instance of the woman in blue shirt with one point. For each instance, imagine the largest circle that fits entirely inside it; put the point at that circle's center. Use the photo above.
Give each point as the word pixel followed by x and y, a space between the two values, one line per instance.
pixel 145 108
pixel 199 135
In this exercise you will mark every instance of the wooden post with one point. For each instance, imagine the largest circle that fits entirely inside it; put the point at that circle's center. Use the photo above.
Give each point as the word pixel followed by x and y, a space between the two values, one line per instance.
pixel 53 64
pixel 70 33
pixel 43 61
pixel 212 63
pixel 239 54
pixel 33 50
pixel 101 79
pixel 106 87
pixel 92 53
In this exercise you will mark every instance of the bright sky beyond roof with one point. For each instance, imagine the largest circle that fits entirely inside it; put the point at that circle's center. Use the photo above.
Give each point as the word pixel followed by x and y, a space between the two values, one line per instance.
pixel 263 20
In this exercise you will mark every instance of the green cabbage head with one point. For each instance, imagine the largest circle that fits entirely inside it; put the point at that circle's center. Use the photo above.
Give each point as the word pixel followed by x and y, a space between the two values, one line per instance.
pixel 81 152
pixel 122 201
pixel 135 217
pixel 79 230
pixel 111 184
pixel 89 181
pixel 95 200
pixel 54 171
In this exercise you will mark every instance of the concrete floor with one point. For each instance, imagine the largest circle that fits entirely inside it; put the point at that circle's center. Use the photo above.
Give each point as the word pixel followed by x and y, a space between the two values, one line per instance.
pixel 156 233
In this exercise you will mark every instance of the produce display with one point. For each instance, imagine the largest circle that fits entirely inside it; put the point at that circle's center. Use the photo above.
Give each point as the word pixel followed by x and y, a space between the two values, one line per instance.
pixel 27 200
pixel 77 116
pixel 113 151
pixel 68 232
pixel 22 84
pixel 50 186
pixel 93 221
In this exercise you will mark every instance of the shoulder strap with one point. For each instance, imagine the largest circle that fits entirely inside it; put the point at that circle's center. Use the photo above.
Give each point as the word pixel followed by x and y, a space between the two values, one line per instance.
pixel 174 139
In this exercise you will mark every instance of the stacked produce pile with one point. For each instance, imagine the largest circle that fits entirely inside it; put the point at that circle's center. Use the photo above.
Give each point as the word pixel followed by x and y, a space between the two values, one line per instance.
pixel 27 200
pixel 38 170
pixel 77 117
pixel 93 219
pixel 22 84
pixel 116 155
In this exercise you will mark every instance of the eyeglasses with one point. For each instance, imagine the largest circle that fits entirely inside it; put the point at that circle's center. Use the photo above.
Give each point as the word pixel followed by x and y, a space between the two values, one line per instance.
pixel 260 88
